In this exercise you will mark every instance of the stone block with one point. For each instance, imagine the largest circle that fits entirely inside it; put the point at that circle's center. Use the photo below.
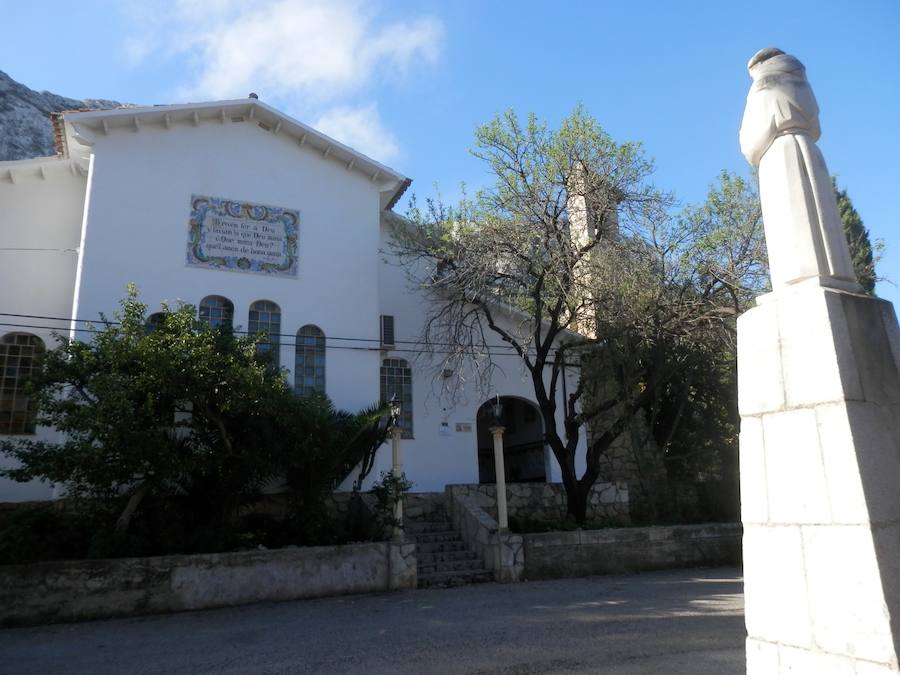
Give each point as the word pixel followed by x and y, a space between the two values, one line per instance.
pixel 754 500
pixel 590 537
pixel 802 661
pixel 510 557
pixel 840 459
pixel 867 668
pixel 846 599
pixel 887 549
pixel 797 490
pixel 776 606
pixel 403 567
pixel 759 362
pixel 762 657
pixel 891 329
pixel 817 358
pixel 871 342
pixel 876 439
pixel 558 539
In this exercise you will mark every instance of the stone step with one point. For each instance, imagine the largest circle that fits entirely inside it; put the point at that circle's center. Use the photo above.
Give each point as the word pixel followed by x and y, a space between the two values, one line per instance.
pixel 432 557
pixel 426 549
pixel 433 514
pixel 448 579
pixel 420 527
pixel 451 557
pixel 436 537
pixel 453 566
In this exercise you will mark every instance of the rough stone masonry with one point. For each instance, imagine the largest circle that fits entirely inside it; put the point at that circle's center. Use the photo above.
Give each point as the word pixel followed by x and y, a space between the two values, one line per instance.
pixel 819 396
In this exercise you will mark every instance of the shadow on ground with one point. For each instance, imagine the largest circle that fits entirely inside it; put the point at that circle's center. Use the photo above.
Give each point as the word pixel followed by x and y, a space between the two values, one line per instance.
pixel 680 621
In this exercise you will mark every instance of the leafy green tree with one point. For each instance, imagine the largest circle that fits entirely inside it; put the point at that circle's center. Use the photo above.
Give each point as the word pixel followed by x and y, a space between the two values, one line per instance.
pixel 187 419
pixel 726 249
pixel 694 417
pixel 318 448
pixel 862 252
pixel 673 290
pixel 180 409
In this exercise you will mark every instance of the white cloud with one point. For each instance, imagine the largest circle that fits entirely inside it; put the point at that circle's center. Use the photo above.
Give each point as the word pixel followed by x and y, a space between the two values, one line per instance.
pixel 322 47
pixel 361 129
pixel 314 58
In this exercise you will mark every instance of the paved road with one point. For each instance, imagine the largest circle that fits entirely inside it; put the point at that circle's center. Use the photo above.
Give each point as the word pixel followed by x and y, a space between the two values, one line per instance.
pixel 684 621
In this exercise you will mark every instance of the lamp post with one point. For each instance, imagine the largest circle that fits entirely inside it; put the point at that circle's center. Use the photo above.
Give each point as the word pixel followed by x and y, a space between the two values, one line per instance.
pixel 396 469
pixel 499 469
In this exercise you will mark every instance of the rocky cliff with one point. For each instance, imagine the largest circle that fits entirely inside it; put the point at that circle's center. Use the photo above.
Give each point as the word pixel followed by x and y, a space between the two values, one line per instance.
pixel 25 129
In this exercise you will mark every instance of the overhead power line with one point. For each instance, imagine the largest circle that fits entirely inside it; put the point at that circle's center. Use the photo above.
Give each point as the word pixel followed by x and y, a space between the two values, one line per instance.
pixel 69 249
pixel 509 349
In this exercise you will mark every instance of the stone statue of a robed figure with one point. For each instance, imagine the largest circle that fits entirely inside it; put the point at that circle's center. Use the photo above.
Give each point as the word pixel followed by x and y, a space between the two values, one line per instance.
pixel 779 131
pixel 819 397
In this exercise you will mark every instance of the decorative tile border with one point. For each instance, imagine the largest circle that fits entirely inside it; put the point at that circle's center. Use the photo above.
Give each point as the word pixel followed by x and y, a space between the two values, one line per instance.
pixel 227 234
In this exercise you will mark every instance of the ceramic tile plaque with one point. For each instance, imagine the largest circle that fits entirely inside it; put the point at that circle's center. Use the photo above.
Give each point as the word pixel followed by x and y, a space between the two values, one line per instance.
pixel 227 234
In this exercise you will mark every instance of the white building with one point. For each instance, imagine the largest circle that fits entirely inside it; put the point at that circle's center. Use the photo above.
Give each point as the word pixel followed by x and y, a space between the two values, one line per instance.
pixel 236 208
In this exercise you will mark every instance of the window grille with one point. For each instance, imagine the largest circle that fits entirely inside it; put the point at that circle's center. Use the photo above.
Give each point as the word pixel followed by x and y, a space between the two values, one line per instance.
pixel 309 361
pixel 387 331
pixel 154 321
pixel 265 317
pixel 18 361
pixel 217 312
pixel 396 378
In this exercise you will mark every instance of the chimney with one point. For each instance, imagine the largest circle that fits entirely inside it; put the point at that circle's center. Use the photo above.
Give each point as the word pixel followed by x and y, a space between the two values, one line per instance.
pixel 591 208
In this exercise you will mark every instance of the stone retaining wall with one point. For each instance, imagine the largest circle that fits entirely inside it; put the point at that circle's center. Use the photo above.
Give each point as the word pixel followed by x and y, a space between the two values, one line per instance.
pixel 427 506
pixel 608 502
pixel 501 551
pixel 416 505
pixel 556 555
pixel 92 589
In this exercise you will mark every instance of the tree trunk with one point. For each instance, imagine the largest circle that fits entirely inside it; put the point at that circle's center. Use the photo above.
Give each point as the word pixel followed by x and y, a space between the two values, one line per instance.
pixel 134 501
pixel 576 501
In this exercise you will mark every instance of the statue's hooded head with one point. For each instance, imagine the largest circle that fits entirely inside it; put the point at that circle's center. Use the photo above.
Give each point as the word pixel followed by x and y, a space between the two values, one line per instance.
pixel 773 61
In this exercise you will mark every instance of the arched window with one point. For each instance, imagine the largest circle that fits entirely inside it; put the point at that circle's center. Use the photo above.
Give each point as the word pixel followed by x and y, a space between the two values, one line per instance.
pixel 217 312
pixel 396 378
pixel 309 361
pixel 18 354
pixel 154 321
pixel 265 317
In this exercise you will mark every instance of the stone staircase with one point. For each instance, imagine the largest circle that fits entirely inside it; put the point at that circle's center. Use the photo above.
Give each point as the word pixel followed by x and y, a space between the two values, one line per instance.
pixel 444 559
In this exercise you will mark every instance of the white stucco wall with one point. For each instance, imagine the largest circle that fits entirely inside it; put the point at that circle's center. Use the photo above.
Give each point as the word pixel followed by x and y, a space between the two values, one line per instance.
pixel 41 213
pixel 137 230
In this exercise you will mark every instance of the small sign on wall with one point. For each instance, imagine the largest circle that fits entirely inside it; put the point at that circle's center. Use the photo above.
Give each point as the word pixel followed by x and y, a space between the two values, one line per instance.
pixel 241 236
pixel 464 427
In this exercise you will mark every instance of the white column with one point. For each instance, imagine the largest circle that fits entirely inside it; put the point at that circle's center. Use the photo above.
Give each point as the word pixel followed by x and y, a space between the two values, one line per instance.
pixel 500 472
pixel 397 470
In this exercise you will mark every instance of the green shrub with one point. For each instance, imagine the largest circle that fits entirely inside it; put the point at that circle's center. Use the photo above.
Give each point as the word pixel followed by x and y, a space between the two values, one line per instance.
pixel 35 533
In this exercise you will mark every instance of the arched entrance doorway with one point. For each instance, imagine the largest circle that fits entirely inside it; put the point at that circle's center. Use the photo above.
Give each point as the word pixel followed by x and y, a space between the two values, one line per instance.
pixel 523 442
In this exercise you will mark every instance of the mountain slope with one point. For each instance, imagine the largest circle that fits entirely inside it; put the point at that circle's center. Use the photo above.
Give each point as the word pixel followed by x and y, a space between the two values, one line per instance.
pixel 25 129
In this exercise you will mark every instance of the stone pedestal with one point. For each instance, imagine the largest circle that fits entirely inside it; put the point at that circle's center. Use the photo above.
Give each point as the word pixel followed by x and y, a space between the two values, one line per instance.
pixel 819 396
pixel 402 565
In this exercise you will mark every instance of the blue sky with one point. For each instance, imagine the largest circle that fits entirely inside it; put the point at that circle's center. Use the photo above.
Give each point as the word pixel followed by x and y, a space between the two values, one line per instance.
pixel 407 82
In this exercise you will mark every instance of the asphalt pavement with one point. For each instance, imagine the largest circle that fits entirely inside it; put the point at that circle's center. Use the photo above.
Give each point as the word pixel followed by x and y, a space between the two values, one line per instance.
pixel 681 621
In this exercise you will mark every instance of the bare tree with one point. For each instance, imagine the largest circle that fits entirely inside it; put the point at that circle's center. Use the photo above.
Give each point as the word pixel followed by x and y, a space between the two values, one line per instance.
pixel 575 239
